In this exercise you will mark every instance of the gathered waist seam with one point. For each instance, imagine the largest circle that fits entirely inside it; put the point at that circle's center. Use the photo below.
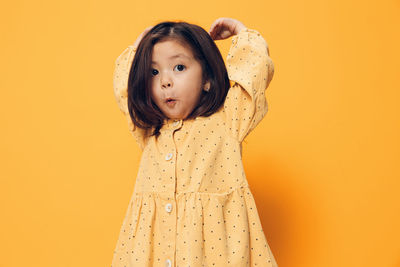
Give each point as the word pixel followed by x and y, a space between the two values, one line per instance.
pixel 243 185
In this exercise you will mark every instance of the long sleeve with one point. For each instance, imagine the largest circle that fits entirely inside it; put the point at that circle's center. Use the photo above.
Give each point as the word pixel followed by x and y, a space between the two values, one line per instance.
pixel 251 70
pixel 120 81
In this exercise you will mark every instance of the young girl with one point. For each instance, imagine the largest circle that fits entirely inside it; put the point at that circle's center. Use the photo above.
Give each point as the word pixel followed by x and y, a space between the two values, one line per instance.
pixel 192 205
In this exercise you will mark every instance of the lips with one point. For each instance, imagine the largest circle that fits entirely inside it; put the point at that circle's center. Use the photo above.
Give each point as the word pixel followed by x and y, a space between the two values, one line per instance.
pixel 170 102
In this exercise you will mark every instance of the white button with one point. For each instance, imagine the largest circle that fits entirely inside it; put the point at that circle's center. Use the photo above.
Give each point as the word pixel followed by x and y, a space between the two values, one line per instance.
pixel 175 123
pixel 168 156
pixel 168 263
pixel 168 207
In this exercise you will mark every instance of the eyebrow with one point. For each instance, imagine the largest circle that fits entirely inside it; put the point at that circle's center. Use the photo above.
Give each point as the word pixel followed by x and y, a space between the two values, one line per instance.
pixel 175 56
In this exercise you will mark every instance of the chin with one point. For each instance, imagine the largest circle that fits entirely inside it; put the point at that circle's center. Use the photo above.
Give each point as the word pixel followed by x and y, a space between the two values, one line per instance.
pixel 176 117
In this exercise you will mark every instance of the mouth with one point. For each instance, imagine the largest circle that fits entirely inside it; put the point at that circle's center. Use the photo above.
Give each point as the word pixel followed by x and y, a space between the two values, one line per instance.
pixel 170 101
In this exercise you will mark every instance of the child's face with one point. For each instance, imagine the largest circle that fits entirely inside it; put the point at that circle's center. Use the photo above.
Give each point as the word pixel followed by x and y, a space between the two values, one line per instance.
pixel 178 78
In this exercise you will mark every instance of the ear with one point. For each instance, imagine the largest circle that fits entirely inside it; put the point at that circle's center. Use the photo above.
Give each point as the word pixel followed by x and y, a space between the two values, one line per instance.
pixel 207 86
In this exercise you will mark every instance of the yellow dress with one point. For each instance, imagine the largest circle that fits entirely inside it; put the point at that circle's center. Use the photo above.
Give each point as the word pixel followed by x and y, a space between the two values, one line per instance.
pixel 192 205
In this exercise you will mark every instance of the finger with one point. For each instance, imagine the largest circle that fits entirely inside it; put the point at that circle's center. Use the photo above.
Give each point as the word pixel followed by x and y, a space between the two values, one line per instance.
pixel 225 34
pixel 212 28
pixel 215 24
pixel 217 28
pixel 215 32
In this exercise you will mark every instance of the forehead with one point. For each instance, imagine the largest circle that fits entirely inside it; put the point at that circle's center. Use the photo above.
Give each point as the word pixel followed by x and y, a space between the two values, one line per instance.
pixel 171 49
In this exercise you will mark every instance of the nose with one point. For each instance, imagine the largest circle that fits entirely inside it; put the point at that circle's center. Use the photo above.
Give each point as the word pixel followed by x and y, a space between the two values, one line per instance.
pixel 166 81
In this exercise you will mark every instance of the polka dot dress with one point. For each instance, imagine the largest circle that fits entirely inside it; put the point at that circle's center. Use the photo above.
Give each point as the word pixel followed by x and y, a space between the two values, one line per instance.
pixel 192 205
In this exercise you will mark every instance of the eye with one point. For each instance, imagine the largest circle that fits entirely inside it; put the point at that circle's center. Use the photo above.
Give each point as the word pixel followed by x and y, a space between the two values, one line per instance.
pixel 180 67
pixel 154 72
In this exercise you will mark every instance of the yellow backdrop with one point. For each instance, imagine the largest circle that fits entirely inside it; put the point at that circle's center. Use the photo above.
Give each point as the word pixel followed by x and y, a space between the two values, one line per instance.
pixel 323 165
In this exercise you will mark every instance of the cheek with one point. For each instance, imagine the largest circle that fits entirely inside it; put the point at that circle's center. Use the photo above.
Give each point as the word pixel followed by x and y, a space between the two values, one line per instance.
pixel 193 95
pixel 153 93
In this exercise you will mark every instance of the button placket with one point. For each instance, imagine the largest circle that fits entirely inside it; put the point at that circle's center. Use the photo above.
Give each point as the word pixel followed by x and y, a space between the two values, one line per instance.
pixel 168 156
pixel 175 123
pixel 170 227
pixel 168 207
pixel 169 216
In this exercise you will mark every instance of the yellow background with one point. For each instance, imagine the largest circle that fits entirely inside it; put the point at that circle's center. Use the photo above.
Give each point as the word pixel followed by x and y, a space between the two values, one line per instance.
pixel 323 165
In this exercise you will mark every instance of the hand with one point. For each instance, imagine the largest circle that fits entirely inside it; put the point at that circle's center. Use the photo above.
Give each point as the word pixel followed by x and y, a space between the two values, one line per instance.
pixel 223 28
pixel 136 44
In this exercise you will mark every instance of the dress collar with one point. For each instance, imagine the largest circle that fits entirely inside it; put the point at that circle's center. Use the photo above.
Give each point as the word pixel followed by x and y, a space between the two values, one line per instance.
pixel 173 124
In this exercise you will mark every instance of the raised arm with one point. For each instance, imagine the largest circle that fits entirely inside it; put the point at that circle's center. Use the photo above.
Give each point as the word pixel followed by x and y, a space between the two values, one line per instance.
pixel 122 68
pixel 251 69
pixel 120 80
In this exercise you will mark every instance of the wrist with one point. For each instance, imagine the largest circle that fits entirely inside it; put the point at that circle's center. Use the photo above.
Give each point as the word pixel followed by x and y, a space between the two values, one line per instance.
pixel 240 28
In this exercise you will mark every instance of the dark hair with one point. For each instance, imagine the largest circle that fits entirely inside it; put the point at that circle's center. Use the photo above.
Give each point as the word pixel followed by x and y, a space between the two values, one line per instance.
pixel 143 111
